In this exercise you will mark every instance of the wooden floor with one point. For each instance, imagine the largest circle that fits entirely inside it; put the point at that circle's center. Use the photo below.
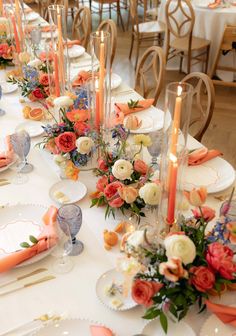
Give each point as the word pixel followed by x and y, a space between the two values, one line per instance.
pixel 221 133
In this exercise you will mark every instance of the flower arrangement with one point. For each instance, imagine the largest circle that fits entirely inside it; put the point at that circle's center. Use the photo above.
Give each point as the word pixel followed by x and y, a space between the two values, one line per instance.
pixel 71 140
pixel 184 270
pixel 124 183
pixel 6 52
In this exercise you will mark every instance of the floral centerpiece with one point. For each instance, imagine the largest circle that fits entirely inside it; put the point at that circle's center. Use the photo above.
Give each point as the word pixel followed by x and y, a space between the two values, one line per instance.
pixel 71 140
pixel 125 180
pixel 186 269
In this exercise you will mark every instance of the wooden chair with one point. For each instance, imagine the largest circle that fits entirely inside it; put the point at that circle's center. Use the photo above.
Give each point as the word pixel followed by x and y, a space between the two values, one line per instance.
pixel 112 4
pixel 149 31
pixel 43 8
pixel 179 35
pixel 228 44
pixel 82 26
pixel 151 68
pixel 203 103
pixel 110 26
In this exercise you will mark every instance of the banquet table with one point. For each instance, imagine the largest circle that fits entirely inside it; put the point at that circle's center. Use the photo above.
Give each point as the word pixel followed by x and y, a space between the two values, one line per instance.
pixel 72 294
pixel 209 24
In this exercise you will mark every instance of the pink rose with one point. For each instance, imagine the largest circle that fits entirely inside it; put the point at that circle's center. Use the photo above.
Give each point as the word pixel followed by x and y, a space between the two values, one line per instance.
pixel 140 166
pixel 207 212
pixel 66 141
pixel 220 259
pixel 102 183
pixel 116 202
pixel 52 147
pixel 81 127
pixel 102 165
pixel 202 278
pixel 173 269
pixel 37 93
pixel 111 189
pixel 3 48
pixel 143 291
pixel 44 79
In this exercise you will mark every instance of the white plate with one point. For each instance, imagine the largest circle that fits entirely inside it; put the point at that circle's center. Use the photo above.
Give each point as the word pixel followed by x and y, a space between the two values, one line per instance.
pixel 17 223
pixel 152 120
pixel 216 175
pixel 105 281
pixel 69 327
pixel 32 16
pixel 116 80
pixel 10 164
pixel 76 51
pixel 214 327
pixel 47 35
pixel 154 328
pixel 8 87
pixel 74 190
pixel 34 128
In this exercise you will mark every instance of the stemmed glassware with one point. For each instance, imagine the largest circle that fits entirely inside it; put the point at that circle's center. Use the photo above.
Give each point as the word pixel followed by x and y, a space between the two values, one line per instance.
pixel 155 148
pixel 62 249
pixel 71 215
pixel 21 145
pixel 35 40
pixel 2 112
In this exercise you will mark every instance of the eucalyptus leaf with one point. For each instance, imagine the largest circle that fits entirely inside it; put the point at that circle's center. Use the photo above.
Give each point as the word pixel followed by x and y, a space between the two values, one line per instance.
pixel 33 239
pixel 25 245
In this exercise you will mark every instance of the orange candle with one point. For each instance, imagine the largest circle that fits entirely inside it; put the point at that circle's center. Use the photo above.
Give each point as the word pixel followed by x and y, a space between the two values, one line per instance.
pixel 1 8
pixel 97 106
pixel 17 41
pixel 101 77
pixel 56 76
pixel 18 19
pixel 172 191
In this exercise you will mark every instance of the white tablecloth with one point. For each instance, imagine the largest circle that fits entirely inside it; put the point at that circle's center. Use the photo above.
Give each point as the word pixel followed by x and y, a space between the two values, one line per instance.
pixel 209 24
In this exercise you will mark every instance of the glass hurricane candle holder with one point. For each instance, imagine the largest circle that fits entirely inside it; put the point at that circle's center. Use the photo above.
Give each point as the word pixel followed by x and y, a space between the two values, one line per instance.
pixel 178 104
pixel 101 80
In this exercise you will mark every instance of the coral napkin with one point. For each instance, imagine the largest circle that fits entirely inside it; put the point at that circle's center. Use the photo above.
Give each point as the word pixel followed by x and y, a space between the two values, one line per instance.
pixel 100 331
pixel 225 313
pixel 201 155
pixel 46 240
pixel 7 157
pixel 215 4
pixel 81 78
pixel 124 108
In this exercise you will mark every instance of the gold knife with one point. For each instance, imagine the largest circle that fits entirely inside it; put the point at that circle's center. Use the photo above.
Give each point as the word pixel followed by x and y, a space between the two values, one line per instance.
pixel 39 270
pixel 29 284
pixel 4 182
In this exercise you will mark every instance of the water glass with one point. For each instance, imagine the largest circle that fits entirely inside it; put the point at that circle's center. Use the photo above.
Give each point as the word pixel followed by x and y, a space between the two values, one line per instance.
pixel 155 149
pixel 71 215
pixel 2 112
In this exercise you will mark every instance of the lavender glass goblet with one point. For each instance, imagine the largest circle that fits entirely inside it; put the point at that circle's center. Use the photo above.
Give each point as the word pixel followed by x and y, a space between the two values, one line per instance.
pixel 71 215
pixel 155 148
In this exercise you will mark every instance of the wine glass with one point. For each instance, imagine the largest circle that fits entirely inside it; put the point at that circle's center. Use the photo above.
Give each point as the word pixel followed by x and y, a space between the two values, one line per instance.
pixel 155 148
pixel 2 112
pixel 62 250
pixel 71 215
pixel 35 39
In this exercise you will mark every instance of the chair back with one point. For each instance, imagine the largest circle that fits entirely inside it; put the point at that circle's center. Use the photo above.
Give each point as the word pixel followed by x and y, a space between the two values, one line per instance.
pixel 150 73
pixel 110 26
pixel 203 103
pixel 180 18
pixel 43 8
pixel 82 26
pixel 134 14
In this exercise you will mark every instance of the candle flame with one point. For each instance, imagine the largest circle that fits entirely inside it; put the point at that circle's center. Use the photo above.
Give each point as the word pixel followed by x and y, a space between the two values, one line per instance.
pixel 173 158
pixel 96 84
pixel 179 90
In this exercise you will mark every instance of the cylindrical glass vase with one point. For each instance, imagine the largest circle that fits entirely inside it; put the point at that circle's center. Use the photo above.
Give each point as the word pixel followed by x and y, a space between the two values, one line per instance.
pixel 178 104
pixel 58 55
pixel 101 80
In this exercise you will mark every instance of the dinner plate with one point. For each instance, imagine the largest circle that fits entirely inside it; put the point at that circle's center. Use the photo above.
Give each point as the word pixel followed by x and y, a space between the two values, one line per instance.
pixel 104 282
pixel 32 16
pixel 69 327
pixel 216 175
pixel 8 87
pixel 116 80
pixel 76 51
pixel 152 120
pixel 34 128
pixel 154 328
pixel 73 190
pixel 18 222
pixel 47 35
pixel 2 169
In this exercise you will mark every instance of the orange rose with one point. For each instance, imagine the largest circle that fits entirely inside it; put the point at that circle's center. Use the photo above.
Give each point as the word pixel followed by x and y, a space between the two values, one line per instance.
pixel 143 291
pixel 173 269
pixel 128 194
pixel 44 79
pixel 197 197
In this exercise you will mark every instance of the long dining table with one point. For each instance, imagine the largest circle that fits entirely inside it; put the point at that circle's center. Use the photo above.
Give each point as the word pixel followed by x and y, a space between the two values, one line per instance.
pixel 72 294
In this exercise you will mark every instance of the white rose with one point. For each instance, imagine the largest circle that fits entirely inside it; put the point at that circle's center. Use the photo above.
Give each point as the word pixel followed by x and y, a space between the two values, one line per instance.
pixel 84 145
pixel 136 239
pixel 35 63
pixel 150 193
pixel 122 169
pixel 180 246
pixel 63 101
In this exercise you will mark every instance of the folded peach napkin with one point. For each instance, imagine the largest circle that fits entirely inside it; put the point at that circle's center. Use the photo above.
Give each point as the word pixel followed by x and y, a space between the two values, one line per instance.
pixel 81 78
pixel 141 105
pixel 214 4
pixel 70 44
pixel 47 29
pixel 46 240
pixel 225 313
pixel 100 331
pixel 201 155
pixel 7 157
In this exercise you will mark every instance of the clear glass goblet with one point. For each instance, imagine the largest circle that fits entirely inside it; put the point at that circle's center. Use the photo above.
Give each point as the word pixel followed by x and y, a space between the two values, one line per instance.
pixel 71 215
pixel 35 41
pixel 155 149
pixel 62 250
pixel 2 112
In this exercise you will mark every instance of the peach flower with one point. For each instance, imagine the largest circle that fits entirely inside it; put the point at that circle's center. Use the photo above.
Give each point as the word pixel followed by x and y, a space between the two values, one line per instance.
pixel 128 194
pixel 202 278
pixel 173 269
pixel 140 166
pixel 116 202
pixel 77 115
pixel 44 79
pixel 231 227
pixel 207 213
pixel 197 197
pixel 143 291
pixel 132 122
pixel 71 171
pixel 102 183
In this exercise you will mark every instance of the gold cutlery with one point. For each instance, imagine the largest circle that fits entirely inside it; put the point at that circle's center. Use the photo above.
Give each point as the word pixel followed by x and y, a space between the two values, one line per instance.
pixel 29 284
pixel 4 182
pixel 9 282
